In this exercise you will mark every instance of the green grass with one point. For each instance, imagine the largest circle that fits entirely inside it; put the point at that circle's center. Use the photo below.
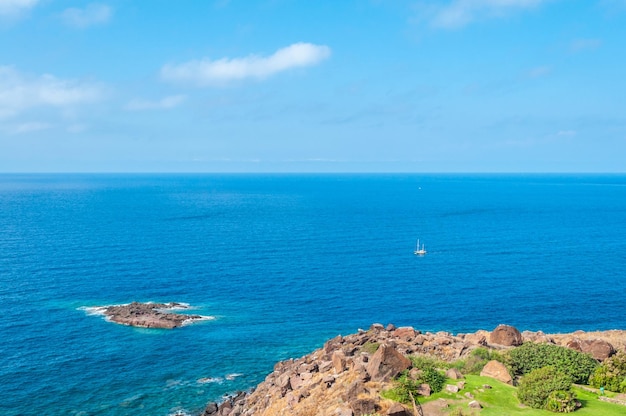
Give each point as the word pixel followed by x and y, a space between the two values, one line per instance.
pixel 501 400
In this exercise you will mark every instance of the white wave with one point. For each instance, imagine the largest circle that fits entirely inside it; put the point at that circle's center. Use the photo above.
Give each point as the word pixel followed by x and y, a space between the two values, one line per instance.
pixel 232 376
pixel 93 310
pixel 179 412
pixel 207 380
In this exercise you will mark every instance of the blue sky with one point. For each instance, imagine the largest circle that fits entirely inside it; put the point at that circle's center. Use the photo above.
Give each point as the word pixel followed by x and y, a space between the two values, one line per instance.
pixel 313 86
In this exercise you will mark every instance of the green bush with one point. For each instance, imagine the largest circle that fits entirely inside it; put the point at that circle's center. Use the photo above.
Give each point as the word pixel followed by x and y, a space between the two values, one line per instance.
pixel 405 386
pixel 370 347
pixel 531 356
pixel 560 401
pixel 536 386
pixel 611 374
pixel 433 378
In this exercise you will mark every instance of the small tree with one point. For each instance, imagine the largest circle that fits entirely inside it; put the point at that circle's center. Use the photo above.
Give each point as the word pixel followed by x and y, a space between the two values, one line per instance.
pixel 611 374
pixel 535 387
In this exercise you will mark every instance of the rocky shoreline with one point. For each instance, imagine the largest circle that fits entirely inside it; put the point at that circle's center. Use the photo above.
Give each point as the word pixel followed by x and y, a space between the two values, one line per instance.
pixel 149 315
pixel 345 377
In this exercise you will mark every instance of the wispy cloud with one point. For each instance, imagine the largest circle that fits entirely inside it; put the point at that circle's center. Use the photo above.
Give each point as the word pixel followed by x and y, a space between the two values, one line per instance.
pixel 19 92
pixel 579 45
pixel 28 127
pixel 538 71
pixel 92 14
pixel 459 13
pixel 207 72
pixel 162 104
pixel 14 8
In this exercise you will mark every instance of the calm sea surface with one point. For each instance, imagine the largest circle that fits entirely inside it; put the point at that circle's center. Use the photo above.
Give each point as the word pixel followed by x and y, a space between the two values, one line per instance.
pixel 282 262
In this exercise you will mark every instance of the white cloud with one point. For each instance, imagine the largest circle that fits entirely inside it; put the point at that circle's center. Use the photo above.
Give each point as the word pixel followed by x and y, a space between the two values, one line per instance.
pixel 28 127
pixel 459 13
pixel 162 104
pixel 13 8
pixel 92 14
pixel 207 72
pixel 538 72
pixel 19 92
pixel 579 45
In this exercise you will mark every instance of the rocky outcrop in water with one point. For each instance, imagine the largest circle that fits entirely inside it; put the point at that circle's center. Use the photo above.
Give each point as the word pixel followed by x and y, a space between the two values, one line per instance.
pixel 149 315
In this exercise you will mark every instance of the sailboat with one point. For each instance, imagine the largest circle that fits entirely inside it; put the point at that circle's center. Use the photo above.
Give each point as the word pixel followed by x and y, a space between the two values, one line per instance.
pixel 419 251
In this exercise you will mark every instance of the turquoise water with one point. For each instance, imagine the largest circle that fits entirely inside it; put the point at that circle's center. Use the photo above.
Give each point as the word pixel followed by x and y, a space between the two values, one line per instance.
pixel 282 262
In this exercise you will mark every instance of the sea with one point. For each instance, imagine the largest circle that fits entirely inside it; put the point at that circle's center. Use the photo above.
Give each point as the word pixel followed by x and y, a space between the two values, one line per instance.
pixel 281 263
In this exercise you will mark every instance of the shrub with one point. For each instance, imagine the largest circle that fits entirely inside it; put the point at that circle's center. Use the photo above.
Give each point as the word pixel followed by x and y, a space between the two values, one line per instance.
pixel 531 356
pixel 424 361
pixel 477 360
pixel 560 401
pixel 404 388
pixel 611 374
pixel 433 378
pixel 536 386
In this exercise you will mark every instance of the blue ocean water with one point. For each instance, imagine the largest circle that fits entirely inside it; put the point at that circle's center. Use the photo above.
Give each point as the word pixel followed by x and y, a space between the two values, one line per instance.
pixel 283 262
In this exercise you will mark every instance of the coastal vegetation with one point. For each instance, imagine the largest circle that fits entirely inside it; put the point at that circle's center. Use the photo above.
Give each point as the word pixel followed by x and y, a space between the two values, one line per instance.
pixel 611 375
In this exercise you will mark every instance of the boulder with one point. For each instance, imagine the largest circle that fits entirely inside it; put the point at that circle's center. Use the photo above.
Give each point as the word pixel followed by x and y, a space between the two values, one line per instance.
pixel 454 374
pixel 424 390
pixel 405 332
pixel 474 405
pixel 497 370
pixel 506 335
pixel 599 349
pixel 452 389
pixel 386 363
pixel 362 407
pixel 339 361
pixel 397 409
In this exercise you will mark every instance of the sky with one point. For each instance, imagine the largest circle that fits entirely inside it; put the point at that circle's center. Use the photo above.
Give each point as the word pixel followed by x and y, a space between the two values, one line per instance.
pixel 313 86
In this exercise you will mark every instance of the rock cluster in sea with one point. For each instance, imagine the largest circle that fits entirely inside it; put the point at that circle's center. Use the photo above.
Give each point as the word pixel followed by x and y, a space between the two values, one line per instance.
pixel 149 315
pixel 345 377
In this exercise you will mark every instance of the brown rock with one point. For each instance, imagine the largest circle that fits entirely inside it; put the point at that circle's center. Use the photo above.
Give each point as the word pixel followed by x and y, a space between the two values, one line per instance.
pixel 506 335
pixel 474 405
pixel 339 361
pixel 397 409
pixel 495 369
pixel 149 315
pixel 362 407
pixel 599 349
pixel 424 390
pixel 405 332
pixel 386 363
pixel 454 374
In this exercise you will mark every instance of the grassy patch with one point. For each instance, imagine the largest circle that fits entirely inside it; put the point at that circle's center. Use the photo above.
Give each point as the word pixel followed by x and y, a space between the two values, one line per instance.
pixel 501 400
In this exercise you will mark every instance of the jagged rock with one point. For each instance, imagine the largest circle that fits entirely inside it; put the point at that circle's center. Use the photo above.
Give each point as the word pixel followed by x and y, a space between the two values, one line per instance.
pixel 353 391
pixel 362 407
pixel 405 333
pixel 377 327
pixel 390 327
pixel 339 361
pixel 460 385
pixel 478 338
pixel 332 344
pixel 474 405
pixel 424 390
pixel 506 335
pixel 497 370
pixel 386 363
pixel 210 409
pixel 454 374
pixel 469 395
pixel 397 409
